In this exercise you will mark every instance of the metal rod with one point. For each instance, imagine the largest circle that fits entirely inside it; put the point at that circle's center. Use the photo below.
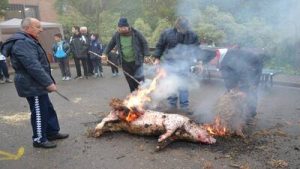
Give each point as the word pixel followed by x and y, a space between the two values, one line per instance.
pixel 61 95
pixel 117 67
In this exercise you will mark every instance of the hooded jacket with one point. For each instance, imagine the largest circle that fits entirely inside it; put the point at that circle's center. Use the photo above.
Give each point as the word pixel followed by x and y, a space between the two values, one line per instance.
pixel 29 60
pixel 170 38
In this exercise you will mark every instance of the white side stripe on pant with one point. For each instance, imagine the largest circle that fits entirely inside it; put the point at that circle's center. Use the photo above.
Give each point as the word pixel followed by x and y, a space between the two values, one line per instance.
pixel 38 119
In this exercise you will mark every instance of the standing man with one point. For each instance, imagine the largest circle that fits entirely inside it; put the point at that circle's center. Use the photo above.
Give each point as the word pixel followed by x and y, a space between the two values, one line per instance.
pixel 180 36
pixel 84 32
pixel 34 81
pixel 79 47
pixel 132 46
pixel 241 69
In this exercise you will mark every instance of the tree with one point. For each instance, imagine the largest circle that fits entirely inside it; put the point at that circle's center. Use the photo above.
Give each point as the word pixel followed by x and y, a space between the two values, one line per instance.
pixel 162 25
pixel 107 25
pixel 3 6
pixel 143 27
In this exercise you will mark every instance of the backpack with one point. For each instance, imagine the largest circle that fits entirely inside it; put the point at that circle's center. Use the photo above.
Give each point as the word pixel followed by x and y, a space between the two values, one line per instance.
pixel 60 53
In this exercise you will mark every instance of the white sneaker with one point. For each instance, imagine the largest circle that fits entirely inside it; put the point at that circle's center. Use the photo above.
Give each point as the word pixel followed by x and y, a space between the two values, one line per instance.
pixel 68 78
pixel 63 78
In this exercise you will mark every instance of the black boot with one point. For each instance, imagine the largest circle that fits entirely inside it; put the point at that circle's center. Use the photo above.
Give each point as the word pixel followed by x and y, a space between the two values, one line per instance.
pixel 46 144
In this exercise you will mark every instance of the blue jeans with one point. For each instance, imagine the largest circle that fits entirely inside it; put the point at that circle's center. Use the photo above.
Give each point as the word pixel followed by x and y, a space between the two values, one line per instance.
pixel 183 95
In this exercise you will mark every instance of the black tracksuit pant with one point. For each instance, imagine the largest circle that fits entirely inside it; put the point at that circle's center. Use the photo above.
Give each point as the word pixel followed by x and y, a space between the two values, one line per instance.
pixel 134 70
pixel 43 118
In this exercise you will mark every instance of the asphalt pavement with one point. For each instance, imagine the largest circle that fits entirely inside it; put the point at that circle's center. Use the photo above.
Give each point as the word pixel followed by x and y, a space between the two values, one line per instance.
pixel 274 140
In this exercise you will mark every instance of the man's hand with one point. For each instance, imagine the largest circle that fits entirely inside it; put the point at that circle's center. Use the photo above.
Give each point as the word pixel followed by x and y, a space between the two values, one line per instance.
pixel 199 67
pixel 156 61
pixel 104 58
pixel 51 88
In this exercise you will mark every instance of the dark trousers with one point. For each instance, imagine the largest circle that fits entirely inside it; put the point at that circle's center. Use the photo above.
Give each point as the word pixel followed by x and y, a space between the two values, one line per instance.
pixel 44 120
pixel 134 70
pixel 4 69
pixel 90 65
pixel 114 69
pixel 64 66
pixel 97 65
pixel 246 82
pixel 84 65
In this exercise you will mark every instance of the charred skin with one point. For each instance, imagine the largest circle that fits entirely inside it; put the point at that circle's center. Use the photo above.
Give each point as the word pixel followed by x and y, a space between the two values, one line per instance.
pixel 169 127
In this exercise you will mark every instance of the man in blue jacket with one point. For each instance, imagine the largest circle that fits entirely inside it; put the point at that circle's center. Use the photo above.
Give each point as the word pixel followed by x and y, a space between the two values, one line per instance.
pixel 34 81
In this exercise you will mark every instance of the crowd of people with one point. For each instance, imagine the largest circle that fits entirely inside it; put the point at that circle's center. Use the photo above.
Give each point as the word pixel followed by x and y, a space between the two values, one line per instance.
pixel 127 48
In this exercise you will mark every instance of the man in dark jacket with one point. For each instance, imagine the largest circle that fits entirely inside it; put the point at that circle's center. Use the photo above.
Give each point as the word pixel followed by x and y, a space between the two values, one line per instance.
pixel 184 40
pixel 241 69
pixel 132 46
pixel 79 47
pixel 34 81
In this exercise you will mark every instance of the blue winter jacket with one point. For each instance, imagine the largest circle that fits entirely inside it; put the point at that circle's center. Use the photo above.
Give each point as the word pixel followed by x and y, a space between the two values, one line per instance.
pixel 96 47
pixel 29 60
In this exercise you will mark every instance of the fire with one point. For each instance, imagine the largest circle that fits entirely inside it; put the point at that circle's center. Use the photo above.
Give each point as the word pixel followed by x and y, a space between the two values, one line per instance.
pixel 138 98
pixel 131 116
pixel 217 128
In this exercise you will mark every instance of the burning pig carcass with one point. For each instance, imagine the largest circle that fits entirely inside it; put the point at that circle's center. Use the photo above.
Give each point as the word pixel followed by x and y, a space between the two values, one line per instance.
pixel 169 127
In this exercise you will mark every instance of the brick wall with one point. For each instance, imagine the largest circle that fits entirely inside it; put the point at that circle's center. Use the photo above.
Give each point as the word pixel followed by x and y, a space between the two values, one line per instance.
pixel 46 8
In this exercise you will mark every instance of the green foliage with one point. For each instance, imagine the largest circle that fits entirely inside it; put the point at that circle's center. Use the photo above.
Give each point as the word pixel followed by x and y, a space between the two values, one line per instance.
pixel 107 25
pixel 162 25
pixel 143 27
pixel 223 23
pixel 3 6
pixel 210 33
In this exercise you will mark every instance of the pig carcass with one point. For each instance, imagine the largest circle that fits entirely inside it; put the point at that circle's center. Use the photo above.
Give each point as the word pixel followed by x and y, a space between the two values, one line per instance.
pixel 169 127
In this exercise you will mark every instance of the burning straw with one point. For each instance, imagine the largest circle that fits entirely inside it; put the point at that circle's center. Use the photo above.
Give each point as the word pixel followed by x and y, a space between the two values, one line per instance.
pixel 231 115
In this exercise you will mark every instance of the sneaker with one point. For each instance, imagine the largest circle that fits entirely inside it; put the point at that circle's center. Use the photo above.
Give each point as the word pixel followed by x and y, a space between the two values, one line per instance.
pixel 46 144
pixel 114 75
pixel 68 78
pixel 96 75
pixel 2 81
pixel 63 78
pixel 101 74
pixel 8 81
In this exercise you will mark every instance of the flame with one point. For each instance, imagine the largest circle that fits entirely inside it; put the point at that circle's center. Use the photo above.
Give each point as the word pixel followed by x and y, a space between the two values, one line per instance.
pixel 131 116
pixel 216 128
pixel 138 98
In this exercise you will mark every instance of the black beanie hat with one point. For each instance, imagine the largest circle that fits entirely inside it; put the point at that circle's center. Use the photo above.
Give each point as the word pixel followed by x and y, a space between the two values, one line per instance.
pixel 123 22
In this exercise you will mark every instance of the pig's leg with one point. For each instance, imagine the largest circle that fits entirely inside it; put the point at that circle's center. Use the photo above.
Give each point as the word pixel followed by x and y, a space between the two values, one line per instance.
pixel 171 123
pixel 161 145
pixel 99 128
pixel 170 127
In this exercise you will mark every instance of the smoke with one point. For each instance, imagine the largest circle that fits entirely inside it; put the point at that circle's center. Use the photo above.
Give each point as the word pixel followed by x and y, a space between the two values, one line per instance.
pixel 279 17
pixel 176 63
